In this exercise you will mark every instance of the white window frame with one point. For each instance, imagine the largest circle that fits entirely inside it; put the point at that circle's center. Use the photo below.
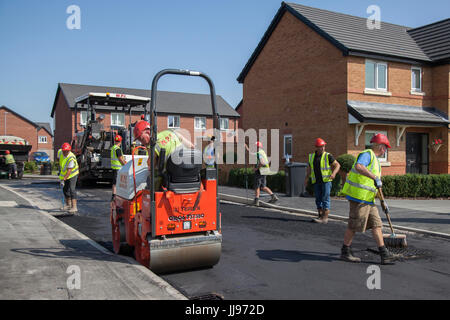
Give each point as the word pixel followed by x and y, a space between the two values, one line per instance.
pixel 83 121
pixel 228 124
pixel 284 146
pixel 374 132
pixel 202 122
pixel 174 122
pixel 113 114
pixel 377 64
pixel 412 79
pixel 42 139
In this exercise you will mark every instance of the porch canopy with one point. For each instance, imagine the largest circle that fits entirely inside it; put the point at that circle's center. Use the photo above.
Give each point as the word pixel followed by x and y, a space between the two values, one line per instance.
pixel 363 113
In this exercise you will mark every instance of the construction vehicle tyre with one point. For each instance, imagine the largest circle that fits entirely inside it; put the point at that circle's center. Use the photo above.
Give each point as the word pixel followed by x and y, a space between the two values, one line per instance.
pixel 120 245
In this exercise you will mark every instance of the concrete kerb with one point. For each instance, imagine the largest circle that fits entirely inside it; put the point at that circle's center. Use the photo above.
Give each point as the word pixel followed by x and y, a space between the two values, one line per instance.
pixel 309 213
pixel 159 281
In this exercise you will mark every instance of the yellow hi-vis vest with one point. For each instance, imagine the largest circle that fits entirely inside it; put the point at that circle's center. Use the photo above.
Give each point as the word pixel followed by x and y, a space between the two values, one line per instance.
pixel 9 159
pixel 325 167
pixel 359 186
pixel 66 160
pixel 168 140
pixel 115 163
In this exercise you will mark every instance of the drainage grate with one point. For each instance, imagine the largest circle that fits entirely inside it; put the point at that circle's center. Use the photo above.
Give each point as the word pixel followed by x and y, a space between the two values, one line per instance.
pixel 407 253
pixel 209 296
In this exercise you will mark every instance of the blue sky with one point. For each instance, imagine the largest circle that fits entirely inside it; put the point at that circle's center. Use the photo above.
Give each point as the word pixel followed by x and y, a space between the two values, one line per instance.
pixel 124 43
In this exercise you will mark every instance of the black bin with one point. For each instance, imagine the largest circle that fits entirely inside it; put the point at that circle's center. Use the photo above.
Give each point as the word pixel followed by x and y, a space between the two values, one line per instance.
pixel 295 178
pixel 46 168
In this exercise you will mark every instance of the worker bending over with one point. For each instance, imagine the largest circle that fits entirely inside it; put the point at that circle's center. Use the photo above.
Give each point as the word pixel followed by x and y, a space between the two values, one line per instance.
pixel 68 176
pixel 117 161
pixel 169 140
pixel 361 188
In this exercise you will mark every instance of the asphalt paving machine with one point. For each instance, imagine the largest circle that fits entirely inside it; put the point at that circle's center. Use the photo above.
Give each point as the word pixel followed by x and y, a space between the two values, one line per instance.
pixel 178 226
pixel 92 146
pixel 19 148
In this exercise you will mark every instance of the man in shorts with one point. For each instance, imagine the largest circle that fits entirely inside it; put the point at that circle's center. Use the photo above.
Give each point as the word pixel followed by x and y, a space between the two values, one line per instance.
pixel 361 188
pixel 262 162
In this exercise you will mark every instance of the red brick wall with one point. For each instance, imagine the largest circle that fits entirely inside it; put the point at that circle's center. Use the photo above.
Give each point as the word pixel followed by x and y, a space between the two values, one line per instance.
pixel 297 84
pixel 17 126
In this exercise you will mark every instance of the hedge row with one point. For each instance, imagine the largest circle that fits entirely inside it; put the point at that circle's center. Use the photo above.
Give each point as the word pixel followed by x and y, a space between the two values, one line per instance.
pixel 417 185
pixel 404 186
pixel 241 177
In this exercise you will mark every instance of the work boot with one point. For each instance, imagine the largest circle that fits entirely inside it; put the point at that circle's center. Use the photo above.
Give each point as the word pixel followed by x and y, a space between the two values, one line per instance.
pixel 256 202
pixel 274 198
pixel 74 208
pixel 347 255
pixel 67 204
pixel 387 257
pixel 323 218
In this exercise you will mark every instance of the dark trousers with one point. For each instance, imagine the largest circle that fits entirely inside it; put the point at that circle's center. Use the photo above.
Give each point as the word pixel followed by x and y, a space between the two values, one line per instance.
pixel 69 187
pixel 12 170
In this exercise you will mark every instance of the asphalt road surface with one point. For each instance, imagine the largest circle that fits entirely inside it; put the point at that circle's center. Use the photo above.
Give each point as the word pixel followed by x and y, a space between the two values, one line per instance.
pixel 268 254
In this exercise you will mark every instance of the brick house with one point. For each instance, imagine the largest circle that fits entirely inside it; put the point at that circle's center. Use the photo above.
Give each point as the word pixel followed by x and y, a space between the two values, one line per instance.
pixel 317 73
pixel 38 134
pixel 174 109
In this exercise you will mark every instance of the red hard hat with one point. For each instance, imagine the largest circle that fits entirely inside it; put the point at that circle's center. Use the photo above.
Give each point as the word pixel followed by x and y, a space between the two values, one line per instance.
pixel 66 147
pixel 259 144
pixel 7 152
pixel 117 138
pixel 380 139
pixel 320 142
pixel 140 127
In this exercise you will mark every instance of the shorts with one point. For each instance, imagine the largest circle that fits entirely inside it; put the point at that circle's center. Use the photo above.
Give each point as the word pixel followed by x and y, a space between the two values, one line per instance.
pixel 114 177
pixel 260 180
pixel 363 216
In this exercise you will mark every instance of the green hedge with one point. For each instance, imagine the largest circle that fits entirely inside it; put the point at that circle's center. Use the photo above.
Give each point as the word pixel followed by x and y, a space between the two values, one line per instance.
pixel 30 167
pixel 238 178
pixel 403 186
pixel 417 185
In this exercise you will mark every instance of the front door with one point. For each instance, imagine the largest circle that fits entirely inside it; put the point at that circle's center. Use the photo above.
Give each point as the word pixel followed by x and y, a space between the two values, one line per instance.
pixel 416 152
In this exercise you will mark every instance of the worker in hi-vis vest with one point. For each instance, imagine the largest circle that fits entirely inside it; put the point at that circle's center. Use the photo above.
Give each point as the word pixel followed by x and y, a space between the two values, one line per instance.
pixel 361 188
pixel 69 176
pixel 322 168
pixel 117 161
pixel 11 164
pixel 169 140
pixel 209 153
pixel 261 171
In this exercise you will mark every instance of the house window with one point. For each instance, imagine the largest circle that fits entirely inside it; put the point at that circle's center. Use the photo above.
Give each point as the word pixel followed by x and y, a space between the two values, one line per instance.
pixel 416 79
pixel 287 142
pixel 173 121
pixel 369 135
pixel 83 118
pixel 199 123
pixel 118 119
pixel 42 139
pixel 224 124
pixel 376 75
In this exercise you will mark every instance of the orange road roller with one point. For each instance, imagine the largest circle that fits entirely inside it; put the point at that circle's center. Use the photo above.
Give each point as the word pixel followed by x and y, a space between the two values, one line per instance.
pixel 170 217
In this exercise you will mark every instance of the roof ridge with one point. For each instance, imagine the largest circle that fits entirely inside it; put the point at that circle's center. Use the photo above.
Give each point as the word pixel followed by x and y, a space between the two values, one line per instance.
pixel 345 14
